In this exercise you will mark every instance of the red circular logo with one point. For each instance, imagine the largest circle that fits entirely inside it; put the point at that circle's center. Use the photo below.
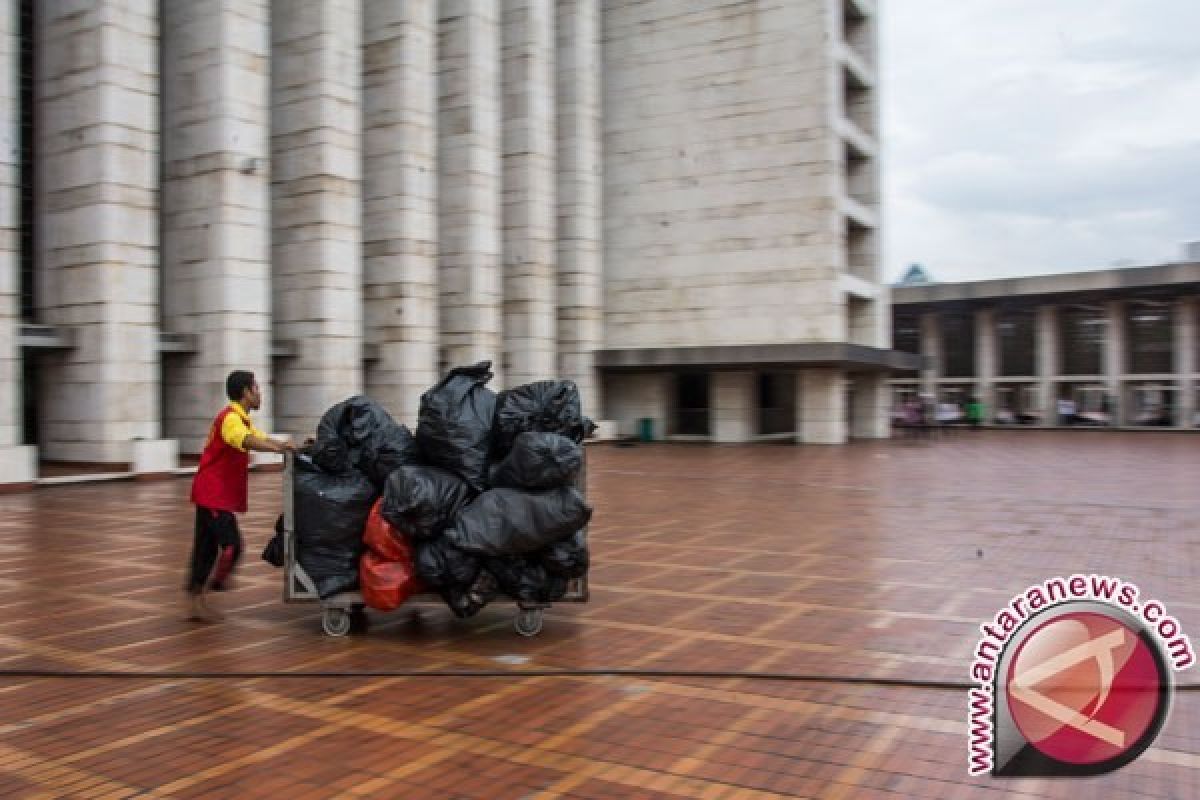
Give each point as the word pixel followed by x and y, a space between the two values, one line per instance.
pixel 1084 688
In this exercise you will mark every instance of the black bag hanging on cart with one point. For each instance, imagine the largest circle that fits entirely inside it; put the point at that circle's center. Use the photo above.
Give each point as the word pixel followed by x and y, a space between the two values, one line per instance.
pixel 525 580
pixel 273 552
pixel 539 461
pixel 441 565
pixel 507 522
pixel 454 427
pixel 543 406
pixel 358 433
pixel 568 558
pixel 330 512
pixel 422 501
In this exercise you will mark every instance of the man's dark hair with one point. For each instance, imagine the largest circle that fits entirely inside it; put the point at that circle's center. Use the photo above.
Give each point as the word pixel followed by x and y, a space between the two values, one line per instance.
pixel 238 381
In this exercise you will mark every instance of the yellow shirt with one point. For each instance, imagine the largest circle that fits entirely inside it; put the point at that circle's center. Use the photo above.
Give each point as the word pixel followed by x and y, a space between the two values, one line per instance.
pixel 237 426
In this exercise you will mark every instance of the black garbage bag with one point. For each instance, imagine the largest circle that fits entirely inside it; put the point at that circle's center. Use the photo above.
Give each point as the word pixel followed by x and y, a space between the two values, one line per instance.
pixel 508 522
pixel 454 427
pixel 525 580
pixel 422 501
pixel 273 552
pixel 442 566
pixel 360 434
pixel 544 406
pixel 331 512
pixel 568 558
pixel 539 461
pixel 470 600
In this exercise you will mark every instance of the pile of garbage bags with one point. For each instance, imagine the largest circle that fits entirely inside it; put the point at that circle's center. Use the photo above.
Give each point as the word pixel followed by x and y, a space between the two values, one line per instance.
pixel 480 502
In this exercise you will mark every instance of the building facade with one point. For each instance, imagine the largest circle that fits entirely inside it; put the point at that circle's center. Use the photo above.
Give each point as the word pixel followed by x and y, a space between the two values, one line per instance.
pixel 1110 348
pixel 674 204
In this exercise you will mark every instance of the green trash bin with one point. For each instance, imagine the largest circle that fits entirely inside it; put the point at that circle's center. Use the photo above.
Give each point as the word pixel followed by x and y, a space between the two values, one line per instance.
pixel 646 429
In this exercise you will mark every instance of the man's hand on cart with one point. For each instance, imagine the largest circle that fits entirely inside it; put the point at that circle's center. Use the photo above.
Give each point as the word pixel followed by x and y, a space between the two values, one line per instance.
pixel 268 445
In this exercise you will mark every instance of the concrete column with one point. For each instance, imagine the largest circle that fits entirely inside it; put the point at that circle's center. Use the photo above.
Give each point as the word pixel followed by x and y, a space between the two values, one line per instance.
pixel 469 144
pixel 636 396
pixel 931 349
pixel 734 406
pixel 986 358
pixel 1047 358
pixel 530 326
pixel 821 397
pixel 1115 359
pixel 1185 359
pixel 215 215
pixel 18 464
pixel 872 406
pixel 580 265
pixel 315 183
pixel 400 201
pixel 97 256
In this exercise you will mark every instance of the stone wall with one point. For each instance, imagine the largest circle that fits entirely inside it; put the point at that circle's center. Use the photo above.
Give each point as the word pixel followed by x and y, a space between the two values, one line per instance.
pixel 722 170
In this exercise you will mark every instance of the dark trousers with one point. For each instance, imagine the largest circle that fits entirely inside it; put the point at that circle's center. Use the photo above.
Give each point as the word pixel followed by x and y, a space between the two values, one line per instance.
pixel 216 548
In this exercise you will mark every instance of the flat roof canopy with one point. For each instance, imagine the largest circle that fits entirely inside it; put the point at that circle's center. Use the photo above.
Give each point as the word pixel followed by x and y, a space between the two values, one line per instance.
pixel 797 355
pixel 1164 280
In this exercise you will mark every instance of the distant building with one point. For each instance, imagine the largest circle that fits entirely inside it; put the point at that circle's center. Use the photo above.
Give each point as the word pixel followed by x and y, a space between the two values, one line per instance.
pixel 1115 347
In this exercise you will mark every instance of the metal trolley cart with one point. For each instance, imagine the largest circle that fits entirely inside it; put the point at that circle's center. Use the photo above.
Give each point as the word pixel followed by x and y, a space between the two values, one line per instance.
pixel 340 612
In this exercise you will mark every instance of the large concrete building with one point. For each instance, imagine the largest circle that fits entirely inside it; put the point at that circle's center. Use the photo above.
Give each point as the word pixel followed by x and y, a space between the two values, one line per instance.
pixel 673 202
pixel 1111 348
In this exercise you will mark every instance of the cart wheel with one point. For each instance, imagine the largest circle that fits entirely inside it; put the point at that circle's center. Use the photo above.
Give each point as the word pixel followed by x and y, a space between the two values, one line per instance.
pixel 528 621
pixel 335 621
pixel 358 621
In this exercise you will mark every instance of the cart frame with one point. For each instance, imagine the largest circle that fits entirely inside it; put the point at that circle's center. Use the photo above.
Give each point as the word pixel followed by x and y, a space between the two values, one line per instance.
pixel 340 612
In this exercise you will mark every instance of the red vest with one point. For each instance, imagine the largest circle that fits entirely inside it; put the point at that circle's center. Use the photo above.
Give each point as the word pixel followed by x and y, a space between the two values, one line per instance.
pixel 224 473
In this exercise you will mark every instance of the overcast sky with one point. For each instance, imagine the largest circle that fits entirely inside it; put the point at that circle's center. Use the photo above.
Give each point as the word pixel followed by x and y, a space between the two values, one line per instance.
pixel 1037 136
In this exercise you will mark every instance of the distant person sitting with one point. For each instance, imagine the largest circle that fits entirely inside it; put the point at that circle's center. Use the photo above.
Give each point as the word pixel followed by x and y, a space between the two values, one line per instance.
pixel 1066 411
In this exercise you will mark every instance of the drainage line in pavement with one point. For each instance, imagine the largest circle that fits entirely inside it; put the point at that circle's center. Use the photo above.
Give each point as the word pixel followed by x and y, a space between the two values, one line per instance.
pixel 787 677
pixel 791 677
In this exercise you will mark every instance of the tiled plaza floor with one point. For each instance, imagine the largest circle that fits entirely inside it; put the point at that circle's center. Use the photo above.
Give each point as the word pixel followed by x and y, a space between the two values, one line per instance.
pixel 875 560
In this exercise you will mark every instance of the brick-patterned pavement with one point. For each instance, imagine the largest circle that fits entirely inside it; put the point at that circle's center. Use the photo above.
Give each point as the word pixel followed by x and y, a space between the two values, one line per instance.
pixel 875 560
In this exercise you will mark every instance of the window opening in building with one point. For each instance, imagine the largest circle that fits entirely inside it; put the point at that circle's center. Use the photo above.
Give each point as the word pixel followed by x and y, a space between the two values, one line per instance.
pixel 776 403
pixel 1017 334
pixel 906 337
pixel 1149 332
pixel 958 344
pixel 1082 331
pixel 692 404
pixel 27 163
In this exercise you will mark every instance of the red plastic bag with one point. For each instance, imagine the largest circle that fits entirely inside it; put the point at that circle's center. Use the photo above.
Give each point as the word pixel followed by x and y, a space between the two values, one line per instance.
pixel 387 574
pixel 384 539
pixel 386 585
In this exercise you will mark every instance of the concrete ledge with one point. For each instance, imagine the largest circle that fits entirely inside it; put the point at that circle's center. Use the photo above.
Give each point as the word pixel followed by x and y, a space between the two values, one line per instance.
pixel 18 465
pixel 1100 283
pixel 155 456
pixel 93 477
pixel 606 430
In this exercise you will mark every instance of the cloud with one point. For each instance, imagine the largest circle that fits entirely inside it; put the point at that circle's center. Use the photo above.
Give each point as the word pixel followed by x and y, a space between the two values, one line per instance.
pixel 1025 137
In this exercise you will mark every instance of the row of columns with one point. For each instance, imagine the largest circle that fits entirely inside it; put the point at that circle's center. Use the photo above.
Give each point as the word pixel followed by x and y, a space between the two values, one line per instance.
pixel 419 175
pixel 1047 356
